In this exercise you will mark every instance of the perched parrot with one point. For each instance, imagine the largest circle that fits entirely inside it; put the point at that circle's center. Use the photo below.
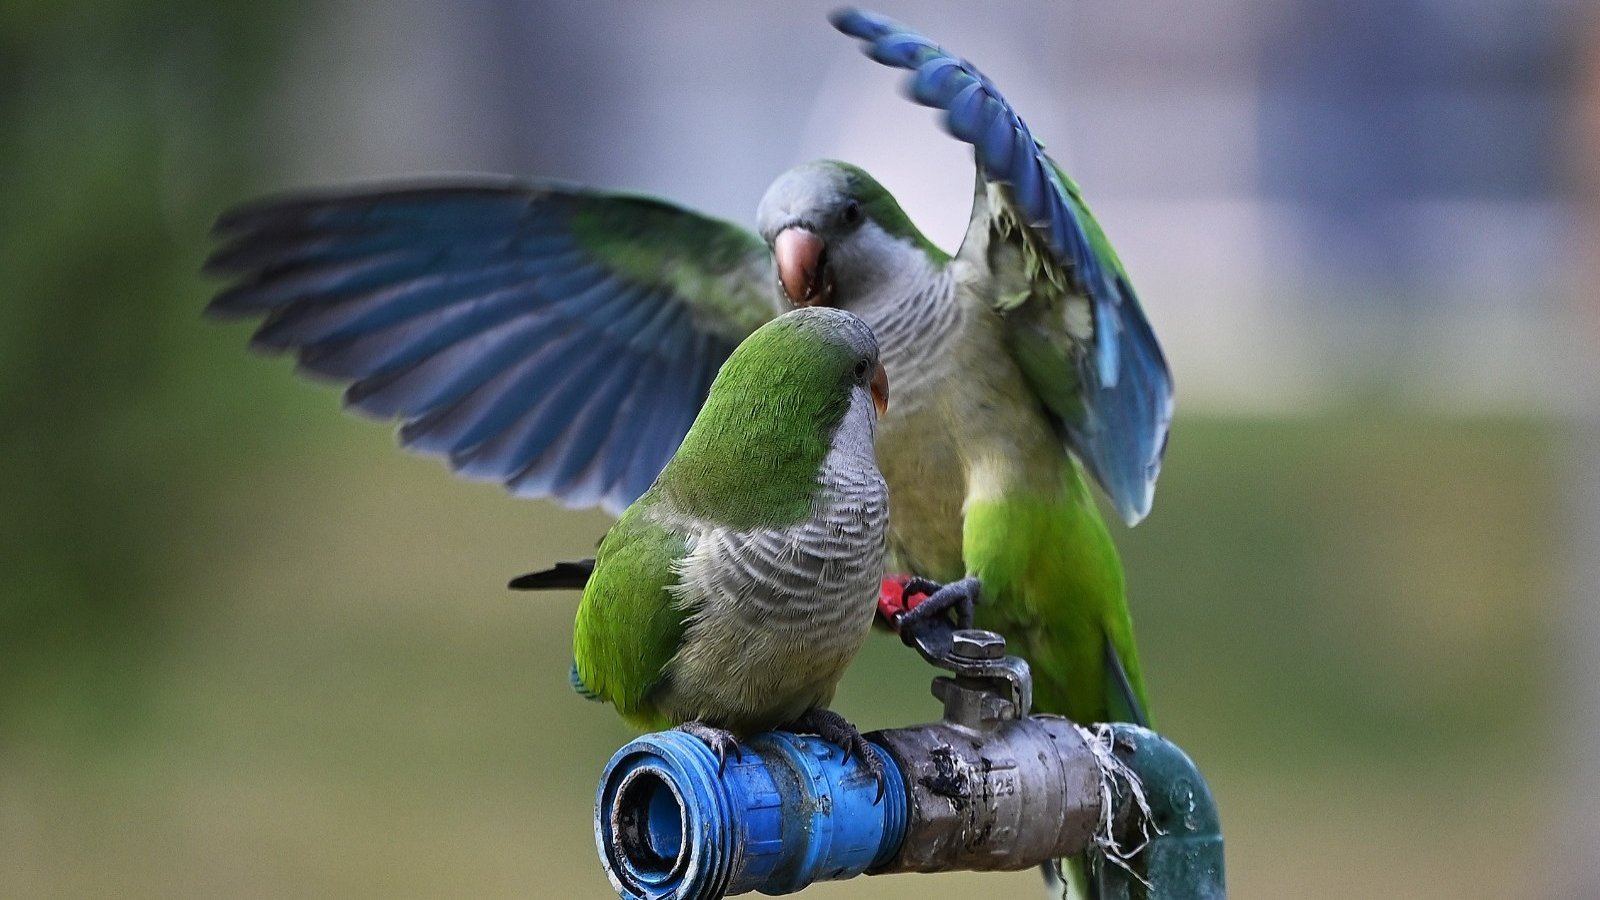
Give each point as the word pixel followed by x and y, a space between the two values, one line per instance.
pixel 729 598
pixel 1022 361
pixel 560 339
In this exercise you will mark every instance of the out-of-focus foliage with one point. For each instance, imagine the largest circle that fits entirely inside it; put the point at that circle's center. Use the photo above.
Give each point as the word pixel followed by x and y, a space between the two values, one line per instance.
pixel 121 138
pixel 349 703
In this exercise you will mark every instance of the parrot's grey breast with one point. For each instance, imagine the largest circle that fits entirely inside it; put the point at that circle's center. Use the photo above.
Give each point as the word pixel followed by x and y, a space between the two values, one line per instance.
pixel 778 613
pixel 923 330
pixel 963 423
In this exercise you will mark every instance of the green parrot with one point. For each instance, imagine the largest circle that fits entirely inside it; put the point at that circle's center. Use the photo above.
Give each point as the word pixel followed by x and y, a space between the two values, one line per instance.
pixel 730 597
pixel 559 340
pixel 1023 363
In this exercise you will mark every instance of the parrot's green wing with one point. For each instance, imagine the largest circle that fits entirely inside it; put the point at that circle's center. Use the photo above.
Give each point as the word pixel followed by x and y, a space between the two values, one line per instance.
pixel 1072 318
pixel 629 623
pixel 556 339
pixel 1089 354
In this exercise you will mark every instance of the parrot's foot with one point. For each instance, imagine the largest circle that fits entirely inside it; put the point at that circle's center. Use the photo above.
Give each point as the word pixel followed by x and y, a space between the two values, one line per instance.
pixel 833 728
pixel 961 596
pixel 721 741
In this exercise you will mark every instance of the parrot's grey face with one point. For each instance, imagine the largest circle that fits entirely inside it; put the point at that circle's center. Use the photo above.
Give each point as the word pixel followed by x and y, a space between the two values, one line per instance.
pixel 827 249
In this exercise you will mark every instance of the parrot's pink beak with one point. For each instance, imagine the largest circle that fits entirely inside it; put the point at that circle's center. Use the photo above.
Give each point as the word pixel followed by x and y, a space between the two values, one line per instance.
pixel 880 389
pixel 802 267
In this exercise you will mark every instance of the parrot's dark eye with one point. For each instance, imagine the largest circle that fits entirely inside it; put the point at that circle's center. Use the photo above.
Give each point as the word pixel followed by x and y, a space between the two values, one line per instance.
pixel 861 370
pixel 852 213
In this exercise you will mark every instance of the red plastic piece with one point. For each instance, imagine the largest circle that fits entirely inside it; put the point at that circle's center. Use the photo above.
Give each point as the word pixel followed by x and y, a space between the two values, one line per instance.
pixel 893 600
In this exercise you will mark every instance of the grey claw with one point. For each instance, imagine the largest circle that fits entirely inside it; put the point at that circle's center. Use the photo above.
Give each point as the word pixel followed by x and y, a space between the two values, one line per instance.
pixel 720 740
pixel 961 596
pixel 836 730
pixel 873 764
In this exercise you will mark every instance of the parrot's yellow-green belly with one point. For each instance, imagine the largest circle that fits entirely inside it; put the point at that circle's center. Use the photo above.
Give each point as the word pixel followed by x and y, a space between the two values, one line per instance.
pixel 967 429
pixel 980 484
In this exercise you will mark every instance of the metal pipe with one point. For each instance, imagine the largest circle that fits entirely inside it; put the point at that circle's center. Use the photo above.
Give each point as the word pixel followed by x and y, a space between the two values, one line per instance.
pixel 988 788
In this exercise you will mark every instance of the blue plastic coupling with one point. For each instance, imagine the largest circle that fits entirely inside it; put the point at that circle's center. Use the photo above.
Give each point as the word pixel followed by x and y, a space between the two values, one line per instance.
pixel 789 813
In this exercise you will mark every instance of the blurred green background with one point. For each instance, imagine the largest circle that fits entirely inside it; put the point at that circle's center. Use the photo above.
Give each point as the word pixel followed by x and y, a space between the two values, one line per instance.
pixel 247 648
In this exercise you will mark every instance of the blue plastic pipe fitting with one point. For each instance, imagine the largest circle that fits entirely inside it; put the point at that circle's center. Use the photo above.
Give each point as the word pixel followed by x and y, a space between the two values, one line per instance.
pixel 789 813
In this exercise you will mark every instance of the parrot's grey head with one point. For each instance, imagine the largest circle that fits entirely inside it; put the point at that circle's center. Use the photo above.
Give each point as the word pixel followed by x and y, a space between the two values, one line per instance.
pixel 836 234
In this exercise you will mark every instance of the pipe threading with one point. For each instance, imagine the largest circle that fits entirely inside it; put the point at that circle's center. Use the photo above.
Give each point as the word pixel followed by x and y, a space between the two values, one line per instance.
pixel 662 819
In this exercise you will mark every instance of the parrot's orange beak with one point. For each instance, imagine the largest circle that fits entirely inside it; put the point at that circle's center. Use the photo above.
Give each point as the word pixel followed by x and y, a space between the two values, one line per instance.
pixel 802 267
pixel 880 389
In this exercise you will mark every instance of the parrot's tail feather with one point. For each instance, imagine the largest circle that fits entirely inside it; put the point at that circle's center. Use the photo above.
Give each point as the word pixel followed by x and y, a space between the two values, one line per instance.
pixel 1066 879
pixel 564 576
pixel 1051 870
pixel 1124 686
pixel 1116 780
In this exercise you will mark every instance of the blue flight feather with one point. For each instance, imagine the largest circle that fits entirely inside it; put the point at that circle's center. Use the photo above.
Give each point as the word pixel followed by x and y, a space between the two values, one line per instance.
pixel 495 405
pixel 508 454
pixel 671 420
pixel 566 469
pixel 613 467
pixel 382 349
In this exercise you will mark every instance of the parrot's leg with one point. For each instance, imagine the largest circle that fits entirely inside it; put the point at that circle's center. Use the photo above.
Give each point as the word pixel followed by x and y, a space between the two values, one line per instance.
pixel 961 596
pixel 719 740
pixel 833 728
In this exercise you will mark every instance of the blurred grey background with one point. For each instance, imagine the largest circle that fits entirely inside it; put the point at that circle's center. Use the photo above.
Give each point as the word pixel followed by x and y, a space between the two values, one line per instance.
pixel 247 648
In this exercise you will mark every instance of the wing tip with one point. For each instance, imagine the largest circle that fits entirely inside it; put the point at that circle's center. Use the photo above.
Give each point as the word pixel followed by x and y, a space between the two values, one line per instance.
pixel 579 687
pixel 218 309
pixel 1134 507
pixel 854 21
